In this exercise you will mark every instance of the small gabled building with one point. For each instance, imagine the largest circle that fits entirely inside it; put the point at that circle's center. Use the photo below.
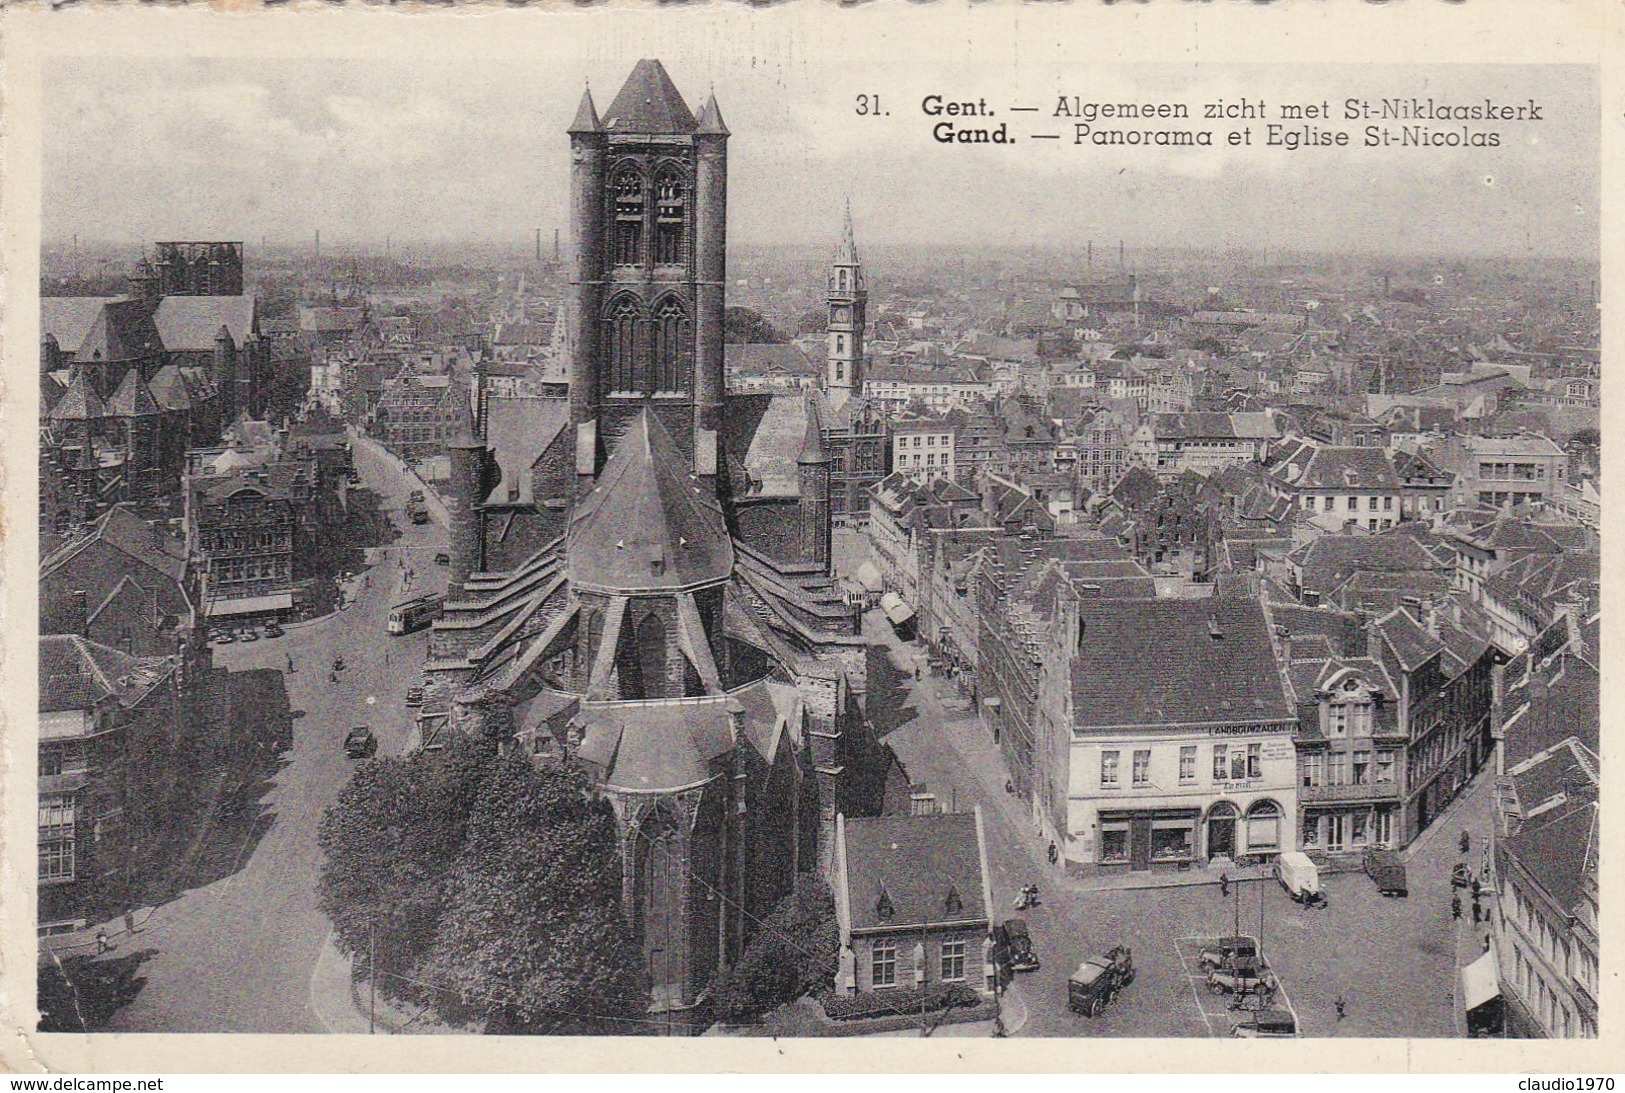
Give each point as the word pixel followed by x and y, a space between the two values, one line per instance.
pixel 913 902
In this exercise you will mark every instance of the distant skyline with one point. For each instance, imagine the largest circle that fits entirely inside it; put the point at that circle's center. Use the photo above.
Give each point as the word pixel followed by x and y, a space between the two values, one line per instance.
pixel 447 153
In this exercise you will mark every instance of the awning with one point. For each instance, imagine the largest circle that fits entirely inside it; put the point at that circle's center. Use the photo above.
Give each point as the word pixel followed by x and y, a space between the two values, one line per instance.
pixel 252 605
pixel 1480 982
pixel 896 610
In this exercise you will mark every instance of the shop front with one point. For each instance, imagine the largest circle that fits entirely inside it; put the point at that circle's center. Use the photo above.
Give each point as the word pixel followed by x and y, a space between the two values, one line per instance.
pixel 1148 839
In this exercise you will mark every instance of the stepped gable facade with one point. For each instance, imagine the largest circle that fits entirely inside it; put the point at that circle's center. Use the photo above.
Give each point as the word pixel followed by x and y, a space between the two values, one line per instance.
pixel 640 578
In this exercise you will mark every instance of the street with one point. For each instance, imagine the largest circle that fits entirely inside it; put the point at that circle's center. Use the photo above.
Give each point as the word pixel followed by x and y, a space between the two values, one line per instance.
pixel 238 955
pixel 1392 961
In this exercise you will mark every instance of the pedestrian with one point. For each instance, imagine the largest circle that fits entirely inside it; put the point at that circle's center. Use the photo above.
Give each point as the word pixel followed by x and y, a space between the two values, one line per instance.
pixel 1224 885
pixel 1009 786
pixel 1342 1007
pixel 101 941
pixel 1053 853
pixel 1466 842
pixel 1476 889
pixel 1455 906
pixel 129 922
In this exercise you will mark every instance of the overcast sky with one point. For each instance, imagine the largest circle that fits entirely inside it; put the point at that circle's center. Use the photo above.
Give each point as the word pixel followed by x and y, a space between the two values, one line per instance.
pixel 475 149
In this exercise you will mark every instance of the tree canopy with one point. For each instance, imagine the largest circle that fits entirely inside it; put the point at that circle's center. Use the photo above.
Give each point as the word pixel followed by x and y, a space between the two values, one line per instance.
pixel 485 887
pixel 745 326
pixel 793 952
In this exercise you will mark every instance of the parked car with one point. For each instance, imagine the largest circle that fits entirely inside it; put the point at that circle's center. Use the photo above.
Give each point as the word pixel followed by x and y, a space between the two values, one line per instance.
pixel 273 630
pixel 1385 868
pixel 442 558
pixel 1242 977
pixel 224 637
pixel 1267 1024
pixel 414 696
pixel 248 633
pixel 1226 951
pixel 1299 877
pixel 359 742
pixel 1092 987
pixel 1016 946
pixel 1461 876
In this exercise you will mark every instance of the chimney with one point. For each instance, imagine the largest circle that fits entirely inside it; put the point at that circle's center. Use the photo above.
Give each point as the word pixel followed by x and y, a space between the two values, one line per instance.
pixel 467 480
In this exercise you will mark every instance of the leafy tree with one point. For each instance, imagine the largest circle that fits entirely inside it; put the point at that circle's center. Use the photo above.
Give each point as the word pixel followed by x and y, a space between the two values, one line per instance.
pixel 532 938
pixel 793 952
pixel 391 841
pixel 743 325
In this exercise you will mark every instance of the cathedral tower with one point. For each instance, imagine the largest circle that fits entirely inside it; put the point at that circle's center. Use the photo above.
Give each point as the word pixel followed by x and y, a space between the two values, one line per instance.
pixel 649 219
pixel 847 297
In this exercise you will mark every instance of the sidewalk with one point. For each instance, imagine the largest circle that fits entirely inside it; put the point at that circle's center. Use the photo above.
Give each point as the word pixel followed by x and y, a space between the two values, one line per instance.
pixel 344 1005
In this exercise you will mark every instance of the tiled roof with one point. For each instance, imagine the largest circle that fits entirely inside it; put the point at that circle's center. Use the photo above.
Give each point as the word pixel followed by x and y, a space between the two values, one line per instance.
pixel 80 403
pixel 918 863
pixel 123 331
pixel 1557 840
pixel 778 440
pixel 1412 646
pixel 75 674
pixel 1349 469
pixel 648 103
pixel 646 747
pixel 133 398
pixel 1174 662
pixel 751 357
pixel 190 324
pixel 168 388
pixel 648 524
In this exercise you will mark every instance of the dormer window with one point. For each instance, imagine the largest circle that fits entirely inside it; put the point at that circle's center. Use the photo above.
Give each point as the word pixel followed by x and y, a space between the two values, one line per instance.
pixel 884 910
pixel 952 904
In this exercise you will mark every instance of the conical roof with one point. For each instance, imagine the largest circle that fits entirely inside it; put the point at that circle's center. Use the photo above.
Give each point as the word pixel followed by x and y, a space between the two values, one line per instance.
pixel 586 116
pixel 133 398
pixel 846 252
pixel 812 443
pixel 711 123
pixel 649 103
pixel 80 402
pixel 649 525
pixel 169 389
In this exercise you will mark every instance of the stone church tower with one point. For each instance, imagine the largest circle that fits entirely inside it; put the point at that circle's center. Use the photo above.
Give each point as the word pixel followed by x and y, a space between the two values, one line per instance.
pixel 648 207
pixel 847 298
pixel 640 582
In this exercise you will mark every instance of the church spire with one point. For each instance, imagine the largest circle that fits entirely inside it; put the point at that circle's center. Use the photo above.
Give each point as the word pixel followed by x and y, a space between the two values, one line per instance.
pixel 843 374
pixel 846 252
pixel 586 116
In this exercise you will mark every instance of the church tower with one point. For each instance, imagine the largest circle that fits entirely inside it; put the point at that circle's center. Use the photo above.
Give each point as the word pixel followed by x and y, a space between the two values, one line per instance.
pixel 649 188
pixel 847 297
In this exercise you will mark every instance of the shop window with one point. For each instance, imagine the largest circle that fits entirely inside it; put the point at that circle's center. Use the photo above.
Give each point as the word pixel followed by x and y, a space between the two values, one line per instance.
pixel 1142 767
pixel 953 960
pixel 1108 768
pixel 1171 843
pixel 1114 842
pixel 883 965
pixel 1264 826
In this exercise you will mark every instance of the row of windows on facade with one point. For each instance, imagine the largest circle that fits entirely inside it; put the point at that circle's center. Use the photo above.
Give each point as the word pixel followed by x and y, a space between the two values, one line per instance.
pixel 1231 763
pixel 237 542
pixel 1548 1007
pixel 1341 768
pixel 631 216
pixel 1342 830
pixel 1352 504
pixel 1174 838
pixel 883 962
pixel 269 568
pixel 1569 960
pixel 1514 472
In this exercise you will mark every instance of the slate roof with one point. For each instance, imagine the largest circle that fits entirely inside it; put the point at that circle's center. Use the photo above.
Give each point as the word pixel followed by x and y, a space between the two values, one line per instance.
pixel 133 398
pixel 1158 662
pixel 915 861
pixel 653 747
pixel 80 402
pixel 132 536
pixel 1332 559
pixel 649 103
pixel 190 324
pixel 1411 644
pixel 69 318
pixel 648 509
pixel 1569 705
pixel 776 444
pixel 168 388
pixel 123 331
pixel 751 357
pixel 518 430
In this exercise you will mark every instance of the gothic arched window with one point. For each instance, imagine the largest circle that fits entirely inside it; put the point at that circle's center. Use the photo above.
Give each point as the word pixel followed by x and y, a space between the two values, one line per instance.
pixel 629 201
pixel 621 348
pixel 652 656
pixel 671 209
pixel 671 348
